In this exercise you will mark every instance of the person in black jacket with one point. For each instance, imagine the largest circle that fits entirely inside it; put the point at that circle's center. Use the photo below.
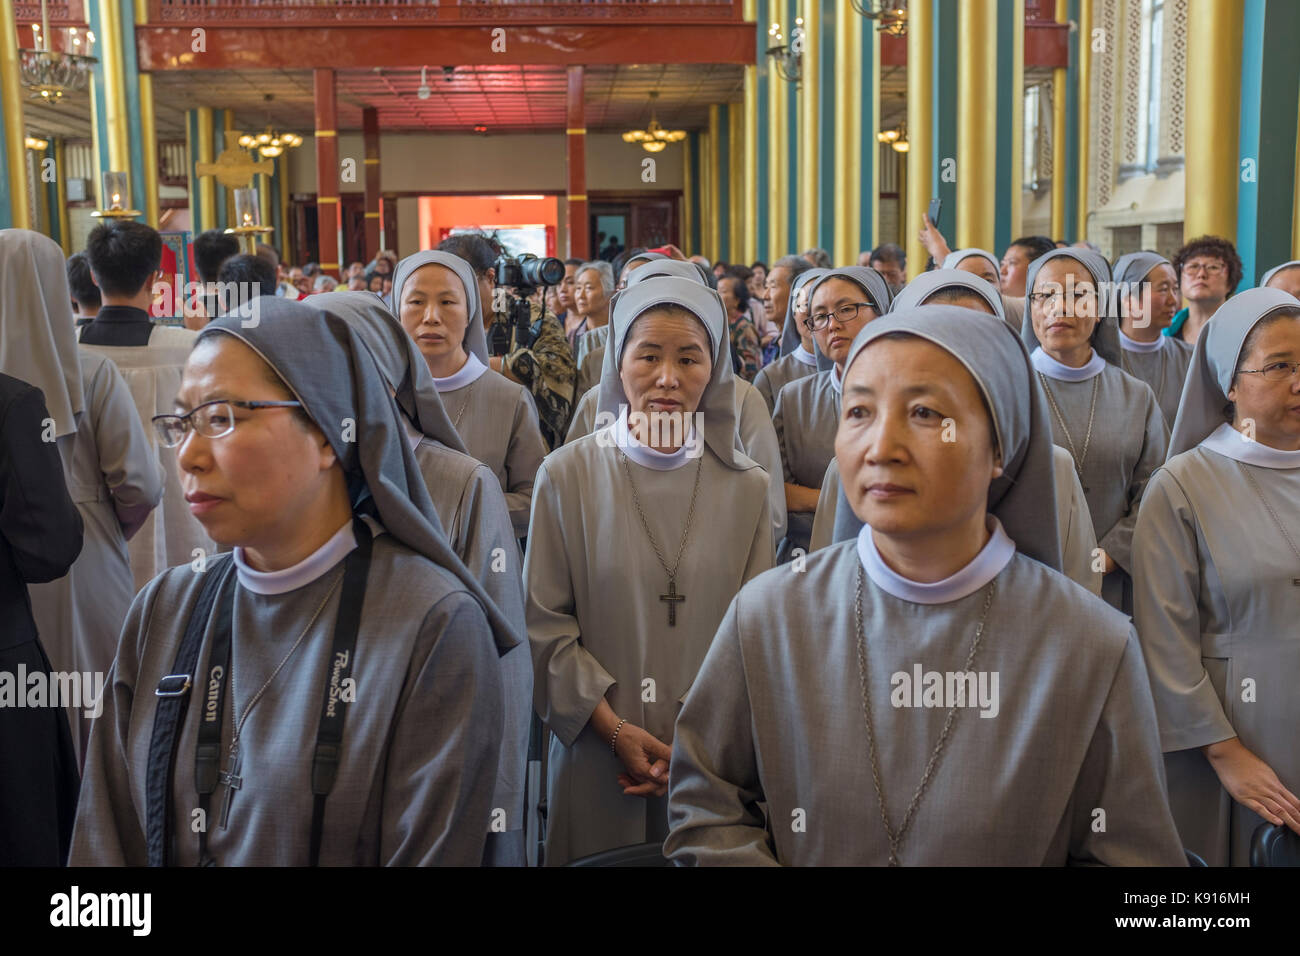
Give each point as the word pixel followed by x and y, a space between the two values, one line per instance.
pixel 40 537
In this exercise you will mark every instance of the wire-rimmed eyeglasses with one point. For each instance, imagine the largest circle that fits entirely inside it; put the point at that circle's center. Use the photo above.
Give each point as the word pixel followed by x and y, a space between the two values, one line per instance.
pixel 1274 371
pixel 214 419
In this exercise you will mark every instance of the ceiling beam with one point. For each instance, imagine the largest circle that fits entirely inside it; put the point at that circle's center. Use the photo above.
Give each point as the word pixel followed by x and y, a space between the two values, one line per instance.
pixel 359 47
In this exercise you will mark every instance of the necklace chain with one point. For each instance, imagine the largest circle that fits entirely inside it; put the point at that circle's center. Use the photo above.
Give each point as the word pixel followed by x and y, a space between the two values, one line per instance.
pixel 469 392
pixel 686 531
pixel 1271 513
pixel 896 838
pixel 1087 439
pixel 238 728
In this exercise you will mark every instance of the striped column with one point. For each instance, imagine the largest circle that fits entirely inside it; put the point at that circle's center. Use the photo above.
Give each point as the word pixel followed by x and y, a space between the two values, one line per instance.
pixel 579 229
pixel 327 170
pixel 370 128
pixel 920 128
pixel 14 211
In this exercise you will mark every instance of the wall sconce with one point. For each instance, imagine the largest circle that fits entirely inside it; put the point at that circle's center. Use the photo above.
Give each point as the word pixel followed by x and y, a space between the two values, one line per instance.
pixel 892 14
pixel 787 58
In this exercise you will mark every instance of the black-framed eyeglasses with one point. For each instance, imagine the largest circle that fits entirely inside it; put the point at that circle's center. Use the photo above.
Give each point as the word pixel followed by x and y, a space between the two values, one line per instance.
pixel 214 419
pixel 845 314
pixel 1275 371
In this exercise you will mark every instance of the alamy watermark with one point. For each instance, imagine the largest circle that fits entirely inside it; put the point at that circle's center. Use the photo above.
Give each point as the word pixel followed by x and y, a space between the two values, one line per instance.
pixel 83 690
pixel 657 429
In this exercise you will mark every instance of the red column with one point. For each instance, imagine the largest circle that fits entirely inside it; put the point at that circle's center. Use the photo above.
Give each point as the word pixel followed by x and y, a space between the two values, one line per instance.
pixel 579 242
pixel 370 127
pixel 327 170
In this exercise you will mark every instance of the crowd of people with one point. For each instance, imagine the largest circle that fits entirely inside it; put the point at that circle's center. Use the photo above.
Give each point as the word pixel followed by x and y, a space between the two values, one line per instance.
pixel 786 563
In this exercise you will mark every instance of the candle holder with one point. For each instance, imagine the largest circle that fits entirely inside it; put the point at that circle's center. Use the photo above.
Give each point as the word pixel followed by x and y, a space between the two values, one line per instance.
pixel 116 198
pixel 248 216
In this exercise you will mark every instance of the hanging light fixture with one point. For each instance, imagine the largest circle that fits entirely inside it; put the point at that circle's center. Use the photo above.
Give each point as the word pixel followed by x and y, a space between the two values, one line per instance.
pixel 892 14
pixel 787 58
pixel 654 138
pixel 50 74
pixel 896 137
pixel 270 142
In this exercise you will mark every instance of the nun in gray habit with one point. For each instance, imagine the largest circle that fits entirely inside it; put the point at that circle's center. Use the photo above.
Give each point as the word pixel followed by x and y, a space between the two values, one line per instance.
pixel 754 428
pixel 807 414
pixel 417 695
pixel 1109 422
pixel 474 514
pixel 1073 522
pixel 777 728
pixel 495 417
pixel 1149 355
pixel 633 556
pixel 1216 575
pixel 795 361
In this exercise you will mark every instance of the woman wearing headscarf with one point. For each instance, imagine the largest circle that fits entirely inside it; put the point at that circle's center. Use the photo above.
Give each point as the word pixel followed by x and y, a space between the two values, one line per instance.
pixel 111 469
pixel 1144 298
pixel 476 519
pixel 591 346
pixel 347 659
pixel 642 532
pixel 964 289
pixel 840 303
pixel 1107 420
pixel 1285 277
pixel 754 428
pixel 926 673
pixel 797 355
pixel 984 264
pixel 436 298
pixel 40 537
pixel 1216 570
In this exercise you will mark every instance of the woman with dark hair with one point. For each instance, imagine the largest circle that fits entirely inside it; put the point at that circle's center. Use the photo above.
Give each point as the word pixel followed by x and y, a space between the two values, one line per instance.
pixel 1209 271
pixel 348 660
pixel 1216 570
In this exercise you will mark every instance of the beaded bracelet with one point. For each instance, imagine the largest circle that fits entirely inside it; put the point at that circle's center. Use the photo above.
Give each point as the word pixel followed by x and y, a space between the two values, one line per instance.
pixel 612 748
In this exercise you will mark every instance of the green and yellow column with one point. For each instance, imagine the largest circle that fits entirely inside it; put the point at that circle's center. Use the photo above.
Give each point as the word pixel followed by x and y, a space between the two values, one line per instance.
pixel 710 193
pixel 920 128
pixel 778 143
pixel 1214 35
pixel 756 123
pixel 200 134
pixel 850 116
pixel 1269 98
pixel 739 228
pixel 119 121
pixel 1060 80
pixel 810 93
pixel 14 210
pixel 1083 113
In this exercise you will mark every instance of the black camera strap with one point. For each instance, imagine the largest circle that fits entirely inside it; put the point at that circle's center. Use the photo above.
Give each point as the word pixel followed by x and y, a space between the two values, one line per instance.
pixel 217 601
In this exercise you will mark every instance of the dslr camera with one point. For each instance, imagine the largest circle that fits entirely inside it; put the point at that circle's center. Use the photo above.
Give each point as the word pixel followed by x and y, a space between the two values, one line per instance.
pixel 514 326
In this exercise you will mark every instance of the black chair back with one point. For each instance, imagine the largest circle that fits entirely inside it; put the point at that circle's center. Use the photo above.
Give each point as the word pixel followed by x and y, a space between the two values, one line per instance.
pixel 642 854
pixel 1274 845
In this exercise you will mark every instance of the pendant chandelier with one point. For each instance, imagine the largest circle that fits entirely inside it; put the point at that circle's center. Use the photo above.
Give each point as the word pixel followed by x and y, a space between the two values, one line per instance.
pixel 892 14
pixel 896 137
pixel 654 137
pixel 51 74
pixel 270 142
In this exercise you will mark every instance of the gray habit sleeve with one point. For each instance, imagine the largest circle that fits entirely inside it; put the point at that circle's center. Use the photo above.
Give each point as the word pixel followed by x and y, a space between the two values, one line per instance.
pixel 1166 610
pixel 525 454
pixel 1122 776
pixel 130 466
pixel 568 682
pixel 1118 541
pixel 714 787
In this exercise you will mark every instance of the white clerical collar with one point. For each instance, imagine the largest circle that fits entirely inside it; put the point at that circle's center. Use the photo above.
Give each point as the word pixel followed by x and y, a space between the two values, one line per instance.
pixel 837 380
pixel 301 574
pixel 1054 369
pixel 983 568
pixel 1133 345
pixel 802 355
pixel 1230 443
pixel 644 454
pixel 469 372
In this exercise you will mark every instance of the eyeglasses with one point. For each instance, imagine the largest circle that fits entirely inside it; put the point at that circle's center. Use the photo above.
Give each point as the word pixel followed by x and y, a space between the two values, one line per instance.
pixel 844 313
pixel 1275 372
pixel 214 419
pixel 1081 293
pixel 1209 269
